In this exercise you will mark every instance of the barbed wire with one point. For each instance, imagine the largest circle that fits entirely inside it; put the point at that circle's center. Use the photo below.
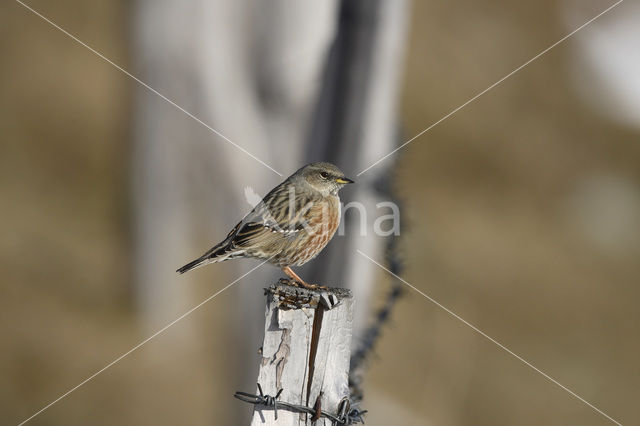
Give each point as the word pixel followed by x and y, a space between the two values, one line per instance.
pixel 346 414
pixel 372 334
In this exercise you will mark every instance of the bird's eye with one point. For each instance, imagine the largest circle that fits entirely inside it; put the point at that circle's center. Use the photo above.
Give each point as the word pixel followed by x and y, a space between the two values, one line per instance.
pixel 324 175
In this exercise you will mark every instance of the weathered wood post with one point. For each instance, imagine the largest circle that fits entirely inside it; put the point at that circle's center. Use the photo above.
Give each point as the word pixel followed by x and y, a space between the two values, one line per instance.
pixel 305 352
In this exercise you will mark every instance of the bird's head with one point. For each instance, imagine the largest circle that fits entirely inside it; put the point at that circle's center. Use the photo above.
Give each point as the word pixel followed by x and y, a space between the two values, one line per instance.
pixel 323 177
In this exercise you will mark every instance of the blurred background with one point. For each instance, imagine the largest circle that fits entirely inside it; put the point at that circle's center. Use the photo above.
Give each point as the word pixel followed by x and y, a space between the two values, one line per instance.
pixel 521 212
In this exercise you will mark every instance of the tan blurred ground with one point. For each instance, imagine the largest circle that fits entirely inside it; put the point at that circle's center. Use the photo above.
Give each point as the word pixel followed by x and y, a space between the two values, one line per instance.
pixel 500 201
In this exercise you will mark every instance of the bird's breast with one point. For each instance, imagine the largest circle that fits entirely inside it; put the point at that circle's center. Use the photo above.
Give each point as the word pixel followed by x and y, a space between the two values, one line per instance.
pixel 324 218
pixel 322 223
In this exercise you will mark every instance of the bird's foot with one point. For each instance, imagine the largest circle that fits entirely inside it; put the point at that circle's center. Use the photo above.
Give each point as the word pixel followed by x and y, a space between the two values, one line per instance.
pixel 302 284
pixel 312 286
pixel 296 281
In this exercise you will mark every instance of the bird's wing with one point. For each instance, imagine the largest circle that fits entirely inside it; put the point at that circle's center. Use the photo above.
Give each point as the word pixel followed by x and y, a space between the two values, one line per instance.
pixel 279 215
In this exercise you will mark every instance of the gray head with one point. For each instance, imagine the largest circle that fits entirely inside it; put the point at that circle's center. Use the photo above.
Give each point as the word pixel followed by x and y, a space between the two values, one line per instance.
pixel 323 177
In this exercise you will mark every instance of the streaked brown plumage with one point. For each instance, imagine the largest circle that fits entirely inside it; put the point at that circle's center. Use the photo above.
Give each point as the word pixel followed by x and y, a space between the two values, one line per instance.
pixel 291 224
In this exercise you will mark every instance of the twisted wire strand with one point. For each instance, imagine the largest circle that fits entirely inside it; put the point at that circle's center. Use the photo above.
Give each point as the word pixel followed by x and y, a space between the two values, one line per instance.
pixel 346 414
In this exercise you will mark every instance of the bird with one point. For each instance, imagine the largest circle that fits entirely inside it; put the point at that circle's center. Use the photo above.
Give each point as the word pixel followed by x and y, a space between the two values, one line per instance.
pixel 290 226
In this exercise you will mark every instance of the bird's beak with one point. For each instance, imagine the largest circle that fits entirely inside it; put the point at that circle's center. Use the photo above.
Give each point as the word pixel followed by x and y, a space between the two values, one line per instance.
pixel 343 180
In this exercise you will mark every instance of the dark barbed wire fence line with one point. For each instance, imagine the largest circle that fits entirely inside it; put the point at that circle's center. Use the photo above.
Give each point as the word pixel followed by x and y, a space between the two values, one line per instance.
pixel 372 334
pixel 346 415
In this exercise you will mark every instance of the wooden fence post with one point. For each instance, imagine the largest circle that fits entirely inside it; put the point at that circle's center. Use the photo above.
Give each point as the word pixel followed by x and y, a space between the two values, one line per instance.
pixel 305 352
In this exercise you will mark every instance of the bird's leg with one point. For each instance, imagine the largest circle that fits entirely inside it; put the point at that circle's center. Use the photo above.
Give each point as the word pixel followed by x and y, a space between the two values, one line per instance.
pixel 297 280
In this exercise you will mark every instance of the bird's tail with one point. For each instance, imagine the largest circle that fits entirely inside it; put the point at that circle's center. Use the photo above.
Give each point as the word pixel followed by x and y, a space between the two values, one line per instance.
pixel 201 261
pixel 219 253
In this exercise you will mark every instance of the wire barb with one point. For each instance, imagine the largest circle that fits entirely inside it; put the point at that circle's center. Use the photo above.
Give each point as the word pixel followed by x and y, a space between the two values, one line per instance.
pixel 346 414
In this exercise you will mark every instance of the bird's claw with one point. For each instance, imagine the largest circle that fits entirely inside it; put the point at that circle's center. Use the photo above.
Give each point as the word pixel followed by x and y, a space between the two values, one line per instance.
pixel 314 286
pixel 302 284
